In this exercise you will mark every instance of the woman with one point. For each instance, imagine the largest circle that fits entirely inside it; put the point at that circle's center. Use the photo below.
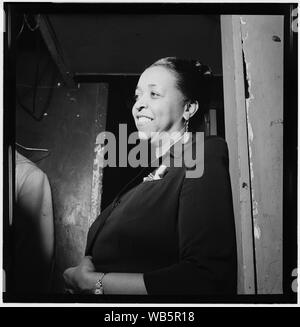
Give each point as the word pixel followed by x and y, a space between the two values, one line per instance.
pixel 169 234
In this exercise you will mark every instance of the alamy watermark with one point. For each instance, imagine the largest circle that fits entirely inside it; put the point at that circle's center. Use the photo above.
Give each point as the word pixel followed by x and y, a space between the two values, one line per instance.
pixel 177 150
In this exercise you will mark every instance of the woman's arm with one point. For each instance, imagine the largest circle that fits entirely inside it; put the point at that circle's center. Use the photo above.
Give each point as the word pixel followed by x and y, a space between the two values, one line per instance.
pixel 83 279
pixel 124 283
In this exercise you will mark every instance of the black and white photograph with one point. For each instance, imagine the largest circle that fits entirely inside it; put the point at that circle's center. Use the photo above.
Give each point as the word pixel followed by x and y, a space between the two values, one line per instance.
pixel 150 153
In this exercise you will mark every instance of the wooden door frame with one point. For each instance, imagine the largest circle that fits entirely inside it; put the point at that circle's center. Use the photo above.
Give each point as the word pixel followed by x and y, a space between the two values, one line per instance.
pixel 252 53
pixel 237 139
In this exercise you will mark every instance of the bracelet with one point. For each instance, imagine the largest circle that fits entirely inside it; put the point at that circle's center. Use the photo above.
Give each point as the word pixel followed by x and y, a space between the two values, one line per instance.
pixel 99 285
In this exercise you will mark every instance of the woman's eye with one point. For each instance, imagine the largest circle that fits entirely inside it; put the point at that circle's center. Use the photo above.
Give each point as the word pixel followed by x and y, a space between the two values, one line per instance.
pixel 135 97
pixel 155 95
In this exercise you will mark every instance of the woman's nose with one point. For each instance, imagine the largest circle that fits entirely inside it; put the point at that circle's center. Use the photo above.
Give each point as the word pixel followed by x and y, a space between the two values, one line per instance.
pixel 140 104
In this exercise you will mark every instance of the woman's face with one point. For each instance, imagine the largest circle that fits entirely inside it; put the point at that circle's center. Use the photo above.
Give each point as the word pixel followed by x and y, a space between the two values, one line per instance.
pixel 159 103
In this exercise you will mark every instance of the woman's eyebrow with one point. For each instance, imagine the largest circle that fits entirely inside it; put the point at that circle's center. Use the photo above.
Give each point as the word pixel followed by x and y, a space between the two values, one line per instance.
pixel 138 88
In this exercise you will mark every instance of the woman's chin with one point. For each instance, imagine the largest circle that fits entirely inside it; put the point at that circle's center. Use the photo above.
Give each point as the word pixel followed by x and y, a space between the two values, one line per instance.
pixel 149 135
pixel 144 135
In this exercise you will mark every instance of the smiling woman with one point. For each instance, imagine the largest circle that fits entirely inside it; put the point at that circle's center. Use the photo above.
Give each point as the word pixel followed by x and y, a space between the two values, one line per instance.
pixel 169 90
pixel 166 235
pixel 159 104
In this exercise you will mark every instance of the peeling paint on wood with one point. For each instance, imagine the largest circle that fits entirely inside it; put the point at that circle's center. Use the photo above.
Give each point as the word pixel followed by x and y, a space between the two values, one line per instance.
pixel 257 231
pixel 236 137
pixel 276 38
pixel 264 74
pixel 96 184
pixel 253 84
pixel 98 153
pixel 276 122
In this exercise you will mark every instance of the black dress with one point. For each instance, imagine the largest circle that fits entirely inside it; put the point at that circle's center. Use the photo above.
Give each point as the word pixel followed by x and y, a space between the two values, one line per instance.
pixel 178 231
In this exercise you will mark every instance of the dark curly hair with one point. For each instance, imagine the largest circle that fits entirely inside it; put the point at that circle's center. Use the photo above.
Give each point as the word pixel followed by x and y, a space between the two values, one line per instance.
pixel 194 81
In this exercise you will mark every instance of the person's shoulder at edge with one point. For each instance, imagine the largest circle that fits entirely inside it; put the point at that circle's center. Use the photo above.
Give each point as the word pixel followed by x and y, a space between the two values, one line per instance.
pixel 26 168
pixel 20 159
pixel 28 175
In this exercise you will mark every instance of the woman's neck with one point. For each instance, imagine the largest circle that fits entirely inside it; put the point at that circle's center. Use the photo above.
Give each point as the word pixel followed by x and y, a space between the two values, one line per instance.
pixel 165 140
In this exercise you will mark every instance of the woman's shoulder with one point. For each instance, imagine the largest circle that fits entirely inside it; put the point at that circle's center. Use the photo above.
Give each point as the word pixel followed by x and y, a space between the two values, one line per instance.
pixel 212 145
pixel 199 149
pixel 203 152
pixel 215 145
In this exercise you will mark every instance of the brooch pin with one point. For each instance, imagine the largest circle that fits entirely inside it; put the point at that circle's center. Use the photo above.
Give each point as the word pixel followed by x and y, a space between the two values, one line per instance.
pixel 159 174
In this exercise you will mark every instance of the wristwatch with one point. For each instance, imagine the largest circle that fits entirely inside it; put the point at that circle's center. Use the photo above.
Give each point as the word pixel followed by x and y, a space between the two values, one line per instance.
pixel 99 285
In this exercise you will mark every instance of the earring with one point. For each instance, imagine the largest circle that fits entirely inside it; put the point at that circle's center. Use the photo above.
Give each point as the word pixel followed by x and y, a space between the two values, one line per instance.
pixel 186 125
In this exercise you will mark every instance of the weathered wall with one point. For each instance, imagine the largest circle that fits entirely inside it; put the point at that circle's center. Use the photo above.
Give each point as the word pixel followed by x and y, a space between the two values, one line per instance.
pixel 68 130
pixel 253 98
pixel 236 137
pixel 262 42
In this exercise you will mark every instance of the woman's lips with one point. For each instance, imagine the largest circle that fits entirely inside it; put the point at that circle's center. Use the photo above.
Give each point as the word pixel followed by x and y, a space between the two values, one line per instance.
pixel 142 120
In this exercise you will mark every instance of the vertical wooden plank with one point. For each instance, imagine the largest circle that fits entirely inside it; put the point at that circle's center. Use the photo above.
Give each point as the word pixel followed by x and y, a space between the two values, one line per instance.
pixel 100 121
pixel 264 104
pixel 237 139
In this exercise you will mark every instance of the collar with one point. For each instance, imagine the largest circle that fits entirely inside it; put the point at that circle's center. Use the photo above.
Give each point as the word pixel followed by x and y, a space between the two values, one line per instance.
pixel 176 150
pixel 173 148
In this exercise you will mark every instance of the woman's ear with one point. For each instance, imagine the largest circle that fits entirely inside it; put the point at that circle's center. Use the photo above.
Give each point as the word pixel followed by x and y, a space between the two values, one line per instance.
pixel 190 109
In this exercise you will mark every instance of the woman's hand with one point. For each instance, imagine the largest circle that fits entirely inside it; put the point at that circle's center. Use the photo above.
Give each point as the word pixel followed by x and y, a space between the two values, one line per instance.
pixel 81 279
